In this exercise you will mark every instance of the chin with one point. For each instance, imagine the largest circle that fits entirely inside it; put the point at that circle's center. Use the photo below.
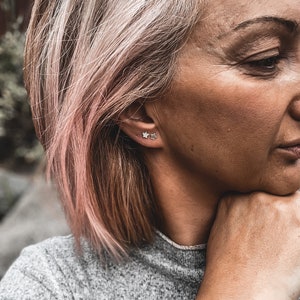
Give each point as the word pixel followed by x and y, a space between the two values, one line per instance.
pixel 280 186
pixel 283 188
pixel 282 182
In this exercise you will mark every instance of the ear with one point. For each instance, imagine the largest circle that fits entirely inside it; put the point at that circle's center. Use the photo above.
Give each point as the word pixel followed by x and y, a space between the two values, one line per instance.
pixel 141 128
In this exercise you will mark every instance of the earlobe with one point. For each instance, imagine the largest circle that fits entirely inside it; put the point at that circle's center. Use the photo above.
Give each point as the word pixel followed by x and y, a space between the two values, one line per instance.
pixel 135 123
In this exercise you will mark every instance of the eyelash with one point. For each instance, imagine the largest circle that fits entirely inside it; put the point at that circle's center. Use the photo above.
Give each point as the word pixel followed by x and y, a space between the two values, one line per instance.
pixel 268 64
pixel 264 67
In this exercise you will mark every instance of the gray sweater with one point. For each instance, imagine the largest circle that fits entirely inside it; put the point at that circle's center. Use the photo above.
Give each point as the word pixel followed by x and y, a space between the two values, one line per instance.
pixel 53 270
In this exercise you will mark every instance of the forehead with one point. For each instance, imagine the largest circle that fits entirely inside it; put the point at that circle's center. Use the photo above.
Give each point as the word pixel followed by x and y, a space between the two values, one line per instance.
pixel 221 16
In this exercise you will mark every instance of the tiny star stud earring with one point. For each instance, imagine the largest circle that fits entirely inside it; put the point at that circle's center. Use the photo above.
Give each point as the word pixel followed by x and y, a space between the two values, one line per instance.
pixel 147 135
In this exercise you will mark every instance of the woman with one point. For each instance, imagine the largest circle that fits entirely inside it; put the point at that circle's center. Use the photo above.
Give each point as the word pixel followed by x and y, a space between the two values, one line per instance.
pixel 154 116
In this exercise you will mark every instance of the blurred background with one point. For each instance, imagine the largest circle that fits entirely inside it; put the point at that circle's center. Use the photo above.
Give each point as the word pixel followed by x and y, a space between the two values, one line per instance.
pixel 29 207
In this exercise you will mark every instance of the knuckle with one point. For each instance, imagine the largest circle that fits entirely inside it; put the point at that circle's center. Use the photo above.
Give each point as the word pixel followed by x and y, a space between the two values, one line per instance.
pixel 259 197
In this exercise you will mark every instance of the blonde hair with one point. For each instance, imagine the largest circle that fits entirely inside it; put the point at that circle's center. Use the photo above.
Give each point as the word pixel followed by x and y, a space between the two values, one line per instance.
pixel 85 63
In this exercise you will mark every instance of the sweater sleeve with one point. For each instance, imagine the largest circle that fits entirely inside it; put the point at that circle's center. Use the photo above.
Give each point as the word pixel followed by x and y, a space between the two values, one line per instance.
pixel 34 275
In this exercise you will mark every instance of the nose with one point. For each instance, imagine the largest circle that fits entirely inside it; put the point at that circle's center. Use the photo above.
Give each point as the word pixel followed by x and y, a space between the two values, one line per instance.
pixel 294 109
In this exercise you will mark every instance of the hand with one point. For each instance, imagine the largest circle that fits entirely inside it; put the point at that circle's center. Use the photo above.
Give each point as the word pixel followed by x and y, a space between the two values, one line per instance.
pixel 253 250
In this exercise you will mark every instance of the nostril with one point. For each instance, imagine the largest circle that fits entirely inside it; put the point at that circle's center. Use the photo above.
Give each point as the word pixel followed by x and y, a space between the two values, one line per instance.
pixel 294 109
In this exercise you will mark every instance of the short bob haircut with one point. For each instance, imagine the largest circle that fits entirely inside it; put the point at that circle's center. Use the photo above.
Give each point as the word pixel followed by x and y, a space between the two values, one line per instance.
pixel 86 62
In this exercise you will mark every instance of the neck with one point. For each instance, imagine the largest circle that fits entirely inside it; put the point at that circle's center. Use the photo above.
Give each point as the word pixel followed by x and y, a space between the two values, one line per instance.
pixel 187 203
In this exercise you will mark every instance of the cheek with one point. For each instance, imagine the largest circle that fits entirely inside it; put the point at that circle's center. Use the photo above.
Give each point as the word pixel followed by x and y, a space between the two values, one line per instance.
pixel 223 128
pixel 242 110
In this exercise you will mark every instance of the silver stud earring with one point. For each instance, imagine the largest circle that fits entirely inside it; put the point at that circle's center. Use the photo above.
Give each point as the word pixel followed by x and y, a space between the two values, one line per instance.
pixel 151 136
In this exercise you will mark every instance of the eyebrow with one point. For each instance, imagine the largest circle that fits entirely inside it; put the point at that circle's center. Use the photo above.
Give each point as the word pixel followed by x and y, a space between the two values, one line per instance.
pixel 290 25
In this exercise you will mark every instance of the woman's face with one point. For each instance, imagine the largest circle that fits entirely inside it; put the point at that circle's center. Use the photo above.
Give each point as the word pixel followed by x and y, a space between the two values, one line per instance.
pixel 232 116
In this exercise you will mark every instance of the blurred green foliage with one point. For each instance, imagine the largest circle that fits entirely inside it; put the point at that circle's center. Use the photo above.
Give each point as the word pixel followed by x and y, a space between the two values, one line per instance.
pixel 19 146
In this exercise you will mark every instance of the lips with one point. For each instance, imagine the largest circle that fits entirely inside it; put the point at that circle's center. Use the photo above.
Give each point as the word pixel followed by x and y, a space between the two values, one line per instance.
pixel 291 148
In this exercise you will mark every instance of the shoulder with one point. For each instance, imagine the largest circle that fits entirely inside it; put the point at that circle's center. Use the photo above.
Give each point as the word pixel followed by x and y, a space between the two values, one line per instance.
pixel 60 251
pixel 49 269
pixel 54 269
pixel 58 254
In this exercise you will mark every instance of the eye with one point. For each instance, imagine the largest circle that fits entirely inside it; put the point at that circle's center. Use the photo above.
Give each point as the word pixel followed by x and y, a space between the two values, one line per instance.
pixel 260 66
pixel 268 64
